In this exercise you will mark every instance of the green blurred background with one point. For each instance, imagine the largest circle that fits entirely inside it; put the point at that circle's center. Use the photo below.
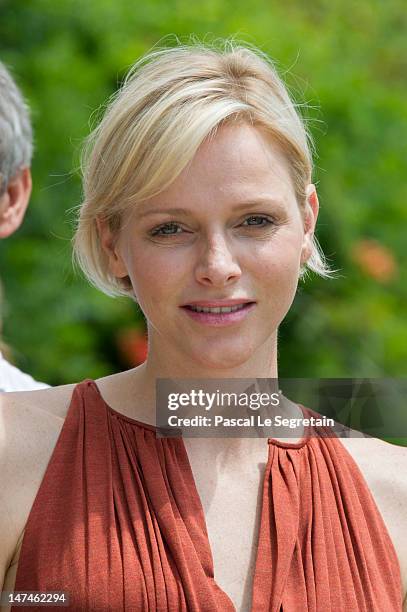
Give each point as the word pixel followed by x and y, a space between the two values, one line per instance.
pixel 347 61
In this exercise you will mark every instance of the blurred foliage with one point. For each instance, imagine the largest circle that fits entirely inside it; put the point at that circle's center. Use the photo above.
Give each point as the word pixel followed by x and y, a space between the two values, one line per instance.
pixel 345 61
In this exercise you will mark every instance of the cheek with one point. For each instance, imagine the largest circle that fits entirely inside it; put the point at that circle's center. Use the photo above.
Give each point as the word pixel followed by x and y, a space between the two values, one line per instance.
pixel 277 270
pixel 278 260
pixel 155 277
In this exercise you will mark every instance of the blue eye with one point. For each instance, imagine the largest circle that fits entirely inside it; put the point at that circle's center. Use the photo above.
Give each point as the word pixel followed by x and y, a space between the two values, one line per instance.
pixel 165 229
pixel 254 217
pixel 173 229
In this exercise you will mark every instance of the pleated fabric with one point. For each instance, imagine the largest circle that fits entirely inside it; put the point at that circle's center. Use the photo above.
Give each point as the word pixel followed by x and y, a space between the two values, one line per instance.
pixel 117 524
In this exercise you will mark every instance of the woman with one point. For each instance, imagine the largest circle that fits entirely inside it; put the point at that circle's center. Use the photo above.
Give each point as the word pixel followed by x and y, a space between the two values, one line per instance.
pixel 198 195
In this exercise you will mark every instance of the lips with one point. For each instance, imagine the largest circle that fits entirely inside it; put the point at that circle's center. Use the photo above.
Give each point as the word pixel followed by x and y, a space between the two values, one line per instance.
pixel 219 313
pixel 217 309
pixel 218 303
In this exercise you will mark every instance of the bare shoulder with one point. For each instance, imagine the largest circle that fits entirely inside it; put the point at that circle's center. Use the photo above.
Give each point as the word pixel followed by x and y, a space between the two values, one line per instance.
pixel 30 423
pixel 28 419
pixel 49 400
pixel 384 467
pixel 379 459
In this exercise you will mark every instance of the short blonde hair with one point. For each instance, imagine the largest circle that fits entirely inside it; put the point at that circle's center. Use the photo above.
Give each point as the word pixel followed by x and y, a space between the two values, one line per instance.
pixel 170 102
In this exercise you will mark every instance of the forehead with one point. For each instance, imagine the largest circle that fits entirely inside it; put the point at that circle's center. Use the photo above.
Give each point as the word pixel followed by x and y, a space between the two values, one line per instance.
pixel 239 147
pixel 239 161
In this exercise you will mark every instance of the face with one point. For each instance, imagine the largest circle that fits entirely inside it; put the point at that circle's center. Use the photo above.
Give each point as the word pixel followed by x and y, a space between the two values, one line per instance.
pixel 228 232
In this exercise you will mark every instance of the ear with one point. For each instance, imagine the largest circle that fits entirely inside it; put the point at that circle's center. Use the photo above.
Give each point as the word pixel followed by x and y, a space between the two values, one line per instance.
pixel 108 240
pixel 14 202
pixel 310 215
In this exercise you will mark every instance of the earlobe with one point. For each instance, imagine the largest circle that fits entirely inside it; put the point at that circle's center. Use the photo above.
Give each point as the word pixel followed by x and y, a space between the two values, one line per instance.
pixel 14 202
pixel 108 242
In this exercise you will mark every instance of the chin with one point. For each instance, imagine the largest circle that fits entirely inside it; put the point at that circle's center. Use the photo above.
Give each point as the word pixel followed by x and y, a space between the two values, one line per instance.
pixel 222 357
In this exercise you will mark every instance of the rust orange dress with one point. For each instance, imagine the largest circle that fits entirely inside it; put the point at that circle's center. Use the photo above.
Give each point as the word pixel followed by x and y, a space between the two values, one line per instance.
pixel 117 524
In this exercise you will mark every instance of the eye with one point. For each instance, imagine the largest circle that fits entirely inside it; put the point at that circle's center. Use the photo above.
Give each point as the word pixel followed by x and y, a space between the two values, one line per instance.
pixel 166 229
pixel 257 221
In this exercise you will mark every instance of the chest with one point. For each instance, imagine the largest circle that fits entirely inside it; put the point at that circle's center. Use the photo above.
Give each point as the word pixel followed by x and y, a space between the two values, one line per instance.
pixel 233 526
pixel 231 496
pixel 232 501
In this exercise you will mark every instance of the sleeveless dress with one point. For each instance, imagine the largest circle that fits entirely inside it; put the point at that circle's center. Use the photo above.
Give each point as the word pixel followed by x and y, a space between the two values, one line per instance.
pixel 117 524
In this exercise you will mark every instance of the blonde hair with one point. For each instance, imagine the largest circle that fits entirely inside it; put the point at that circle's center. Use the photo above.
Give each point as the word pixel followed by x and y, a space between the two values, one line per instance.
pixel 170 102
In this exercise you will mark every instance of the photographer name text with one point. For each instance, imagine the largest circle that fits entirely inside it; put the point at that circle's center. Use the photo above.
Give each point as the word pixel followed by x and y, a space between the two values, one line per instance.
pixel 254 420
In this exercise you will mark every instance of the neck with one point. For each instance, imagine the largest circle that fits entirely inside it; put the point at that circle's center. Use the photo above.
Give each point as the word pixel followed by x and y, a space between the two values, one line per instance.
pixel 163 363
pixel 160 364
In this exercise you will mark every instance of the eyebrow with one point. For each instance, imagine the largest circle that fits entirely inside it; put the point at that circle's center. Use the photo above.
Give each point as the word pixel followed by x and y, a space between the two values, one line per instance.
pixel 184 211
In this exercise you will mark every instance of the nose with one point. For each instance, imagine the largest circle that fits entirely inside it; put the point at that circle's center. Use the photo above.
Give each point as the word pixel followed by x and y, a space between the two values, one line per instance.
pixel 216 264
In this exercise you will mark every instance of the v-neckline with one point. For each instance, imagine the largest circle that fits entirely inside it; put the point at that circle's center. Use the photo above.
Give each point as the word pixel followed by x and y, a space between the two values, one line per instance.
pixel 263 486
pixel 273 445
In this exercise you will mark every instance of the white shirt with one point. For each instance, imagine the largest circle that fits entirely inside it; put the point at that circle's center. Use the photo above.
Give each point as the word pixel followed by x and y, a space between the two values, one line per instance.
pixel 12 379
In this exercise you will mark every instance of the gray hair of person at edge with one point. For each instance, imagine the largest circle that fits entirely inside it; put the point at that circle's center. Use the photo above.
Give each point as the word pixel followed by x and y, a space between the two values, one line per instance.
pixel 16 136
pixel 171 101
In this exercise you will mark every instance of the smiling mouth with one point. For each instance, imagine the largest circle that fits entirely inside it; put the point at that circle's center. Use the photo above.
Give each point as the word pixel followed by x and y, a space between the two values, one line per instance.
pixel 218 309
pixel 214 315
